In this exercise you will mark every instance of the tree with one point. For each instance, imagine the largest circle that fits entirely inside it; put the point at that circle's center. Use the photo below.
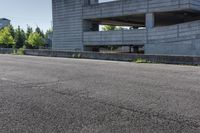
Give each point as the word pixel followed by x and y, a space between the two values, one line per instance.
pixel 48 38
pixel 36 40
pixel 12 30
pixel 39 31
pixel 48 32
pixel 6 39
pixel 29 31
pixel 109 27
pixel 20 37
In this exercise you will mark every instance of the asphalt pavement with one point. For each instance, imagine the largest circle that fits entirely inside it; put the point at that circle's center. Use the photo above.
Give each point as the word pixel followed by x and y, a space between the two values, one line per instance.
pixel 60 95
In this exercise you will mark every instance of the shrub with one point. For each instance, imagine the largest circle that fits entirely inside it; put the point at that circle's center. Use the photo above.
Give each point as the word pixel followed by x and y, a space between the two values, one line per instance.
pixel 140 60
pixel 76 55
pixel 20 51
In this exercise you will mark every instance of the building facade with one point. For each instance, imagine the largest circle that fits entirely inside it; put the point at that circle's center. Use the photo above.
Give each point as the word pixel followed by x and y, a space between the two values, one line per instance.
pixel 4 22
pixel 170 27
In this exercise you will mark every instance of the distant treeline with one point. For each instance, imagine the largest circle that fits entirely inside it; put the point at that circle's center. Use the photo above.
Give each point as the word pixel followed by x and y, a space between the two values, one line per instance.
pixel 18 38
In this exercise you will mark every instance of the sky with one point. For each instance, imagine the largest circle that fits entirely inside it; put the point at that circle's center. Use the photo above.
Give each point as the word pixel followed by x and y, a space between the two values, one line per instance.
pixel 27 12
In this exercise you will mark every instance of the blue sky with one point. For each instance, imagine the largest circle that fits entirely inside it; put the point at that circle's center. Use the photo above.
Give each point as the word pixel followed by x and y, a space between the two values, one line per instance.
pixel 28 12
pixel 31 12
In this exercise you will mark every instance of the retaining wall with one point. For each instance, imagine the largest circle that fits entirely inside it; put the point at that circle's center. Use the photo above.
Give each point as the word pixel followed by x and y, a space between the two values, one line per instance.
pixel 187 60
pixel 6 51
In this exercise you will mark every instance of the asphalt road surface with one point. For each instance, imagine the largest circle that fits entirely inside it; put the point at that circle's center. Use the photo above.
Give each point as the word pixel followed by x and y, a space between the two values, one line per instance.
pixel 58 95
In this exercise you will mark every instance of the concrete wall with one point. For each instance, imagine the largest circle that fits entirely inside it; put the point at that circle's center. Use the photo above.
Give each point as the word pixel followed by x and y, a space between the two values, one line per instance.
pixel 130 7
pixel 67 24
pixel 122 37
pixel 189 60
pixel 195 4
pixel 6 51
pixel 182 39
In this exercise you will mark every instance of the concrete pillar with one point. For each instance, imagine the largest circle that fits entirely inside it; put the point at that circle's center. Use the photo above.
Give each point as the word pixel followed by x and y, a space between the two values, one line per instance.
pixel 150 20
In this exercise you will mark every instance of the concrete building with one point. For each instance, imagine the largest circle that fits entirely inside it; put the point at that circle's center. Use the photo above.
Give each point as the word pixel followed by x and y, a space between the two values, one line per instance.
pixel 4 22
pixel 169 27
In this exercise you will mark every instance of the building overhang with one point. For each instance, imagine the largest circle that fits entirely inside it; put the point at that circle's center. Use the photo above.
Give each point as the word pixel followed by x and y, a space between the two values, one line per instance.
pixel 133 7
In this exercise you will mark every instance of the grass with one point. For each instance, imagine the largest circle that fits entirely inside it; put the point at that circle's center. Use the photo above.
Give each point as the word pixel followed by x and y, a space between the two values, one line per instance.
pixel 141 60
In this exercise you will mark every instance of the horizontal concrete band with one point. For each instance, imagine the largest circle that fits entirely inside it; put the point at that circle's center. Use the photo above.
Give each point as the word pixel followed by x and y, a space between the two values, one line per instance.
pixel 187 60
pixel 190 60
pixel 127 7
pixel 156 36
pixel 121 37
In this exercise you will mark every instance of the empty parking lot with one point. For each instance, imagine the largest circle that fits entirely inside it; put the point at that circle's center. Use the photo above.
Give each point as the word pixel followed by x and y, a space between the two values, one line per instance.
pixel 58 95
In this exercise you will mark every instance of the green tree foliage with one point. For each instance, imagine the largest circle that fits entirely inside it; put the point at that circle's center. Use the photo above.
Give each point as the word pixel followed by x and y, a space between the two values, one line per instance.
pixel 20 37
pixel 12 30
pixel 109 27
pixel 48 38
pixel 29 31
pixel 39 31
pixel 36 40
pixel 49 31
pixel 6 39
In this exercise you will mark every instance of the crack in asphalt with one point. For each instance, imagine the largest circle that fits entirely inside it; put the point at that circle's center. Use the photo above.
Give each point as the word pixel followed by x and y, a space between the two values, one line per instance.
pixel 84 94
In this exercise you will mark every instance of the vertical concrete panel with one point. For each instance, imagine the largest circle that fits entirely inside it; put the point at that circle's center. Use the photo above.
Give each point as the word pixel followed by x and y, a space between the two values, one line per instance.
pixel 67 24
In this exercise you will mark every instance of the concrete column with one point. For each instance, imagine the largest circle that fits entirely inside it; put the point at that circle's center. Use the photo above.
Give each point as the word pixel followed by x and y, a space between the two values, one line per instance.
pixel 150 20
